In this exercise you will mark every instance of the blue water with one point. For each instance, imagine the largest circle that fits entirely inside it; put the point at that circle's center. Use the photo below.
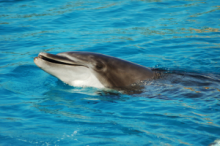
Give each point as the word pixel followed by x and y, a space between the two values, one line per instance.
pixel 179 109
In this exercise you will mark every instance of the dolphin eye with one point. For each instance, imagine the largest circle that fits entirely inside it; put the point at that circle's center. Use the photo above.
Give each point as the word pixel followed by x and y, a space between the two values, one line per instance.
pixel 99 65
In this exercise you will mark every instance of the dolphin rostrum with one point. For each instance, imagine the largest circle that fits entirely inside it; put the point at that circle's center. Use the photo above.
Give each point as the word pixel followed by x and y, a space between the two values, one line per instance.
pixel 93 69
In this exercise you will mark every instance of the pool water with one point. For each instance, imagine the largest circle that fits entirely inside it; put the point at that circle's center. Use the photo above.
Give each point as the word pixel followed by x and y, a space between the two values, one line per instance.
pixel 181 37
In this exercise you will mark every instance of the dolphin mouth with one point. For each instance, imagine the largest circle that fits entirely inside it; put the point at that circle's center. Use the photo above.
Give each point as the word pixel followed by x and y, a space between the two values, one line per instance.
pixel 56 59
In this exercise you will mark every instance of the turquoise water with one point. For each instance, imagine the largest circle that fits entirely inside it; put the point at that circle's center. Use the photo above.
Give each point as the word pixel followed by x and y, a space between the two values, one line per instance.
pixel 179 109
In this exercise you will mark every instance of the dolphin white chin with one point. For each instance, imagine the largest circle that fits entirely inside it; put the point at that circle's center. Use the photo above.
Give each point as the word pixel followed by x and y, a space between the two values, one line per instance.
pixel 92 69
pixel 72 75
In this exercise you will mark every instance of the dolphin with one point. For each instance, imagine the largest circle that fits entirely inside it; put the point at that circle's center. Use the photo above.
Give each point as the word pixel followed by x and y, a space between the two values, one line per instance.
pixel 93 69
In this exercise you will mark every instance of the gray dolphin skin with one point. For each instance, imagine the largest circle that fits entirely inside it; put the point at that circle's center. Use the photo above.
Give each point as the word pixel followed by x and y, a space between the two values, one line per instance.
pixel 92 69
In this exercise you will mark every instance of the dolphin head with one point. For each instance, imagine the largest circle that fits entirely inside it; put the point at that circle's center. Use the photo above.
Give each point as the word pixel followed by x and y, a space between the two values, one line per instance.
pixel 92 69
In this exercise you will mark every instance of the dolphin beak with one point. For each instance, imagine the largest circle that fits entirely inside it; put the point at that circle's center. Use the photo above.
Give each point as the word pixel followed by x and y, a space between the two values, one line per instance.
pixel 56 59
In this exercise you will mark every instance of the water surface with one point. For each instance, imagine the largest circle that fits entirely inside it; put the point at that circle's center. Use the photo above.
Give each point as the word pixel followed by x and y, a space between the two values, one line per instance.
pixel 180 109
